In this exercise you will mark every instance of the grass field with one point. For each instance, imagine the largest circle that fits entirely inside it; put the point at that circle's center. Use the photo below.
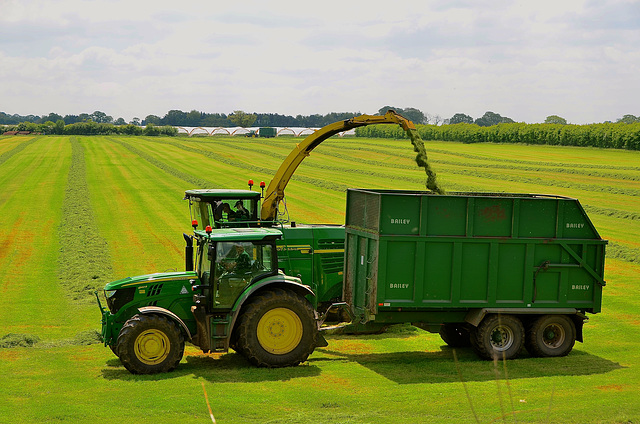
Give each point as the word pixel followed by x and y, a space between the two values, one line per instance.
pixel 80 211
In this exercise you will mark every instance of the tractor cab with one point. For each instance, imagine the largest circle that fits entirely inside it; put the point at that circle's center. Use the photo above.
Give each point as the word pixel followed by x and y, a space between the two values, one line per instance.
pixel 223 208
pixel 229 260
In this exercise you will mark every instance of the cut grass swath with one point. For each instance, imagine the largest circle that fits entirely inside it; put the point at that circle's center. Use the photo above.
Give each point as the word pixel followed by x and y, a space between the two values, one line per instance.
pixel 84 264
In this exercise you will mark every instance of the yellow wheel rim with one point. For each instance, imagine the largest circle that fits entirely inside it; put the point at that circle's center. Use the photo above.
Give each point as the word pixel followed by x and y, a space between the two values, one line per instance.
pixel 152 347
pixel 279 331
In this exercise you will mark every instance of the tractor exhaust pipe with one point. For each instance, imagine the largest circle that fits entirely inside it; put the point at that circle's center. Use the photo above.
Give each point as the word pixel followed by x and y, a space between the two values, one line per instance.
pixel 188 252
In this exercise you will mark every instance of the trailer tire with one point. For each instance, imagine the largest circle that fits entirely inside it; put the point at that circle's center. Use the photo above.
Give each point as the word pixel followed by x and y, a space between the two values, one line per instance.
pixel 551 336
pixel 455 335
pixel 150 344
pixel 498 337
pixel 277 328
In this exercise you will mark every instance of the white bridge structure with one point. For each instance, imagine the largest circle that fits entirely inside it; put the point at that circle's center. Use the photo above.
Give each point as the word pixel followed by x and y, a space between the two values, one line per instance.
pixel 291 131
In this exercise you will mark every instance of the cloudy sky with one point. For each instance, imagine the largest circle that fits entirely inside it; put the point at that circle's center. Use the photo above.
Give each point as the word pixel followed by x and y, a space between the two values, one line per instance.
pixel 522 59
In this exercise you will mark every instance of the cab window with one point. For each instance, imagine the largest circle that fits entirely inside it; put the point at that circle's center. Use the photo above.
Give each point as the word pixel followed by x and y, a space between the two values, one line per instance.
pixel 236 265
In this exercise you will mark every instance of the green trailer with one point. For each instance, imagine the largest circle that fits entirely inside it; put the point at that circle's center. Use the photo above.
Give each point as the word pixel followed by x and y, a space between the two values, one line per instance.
pixel 497 271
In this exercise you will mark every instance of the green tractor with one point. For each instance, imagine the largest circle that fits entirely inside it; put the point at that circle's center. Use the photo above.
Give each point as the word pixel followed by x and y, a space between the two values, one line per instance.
pixel 240 292
pixel 236 297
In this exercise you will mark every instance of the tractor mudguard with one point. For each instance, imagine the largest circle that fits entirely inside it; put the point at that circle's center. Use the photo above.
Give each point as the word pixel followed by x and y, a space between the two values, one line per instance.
pixel 162 311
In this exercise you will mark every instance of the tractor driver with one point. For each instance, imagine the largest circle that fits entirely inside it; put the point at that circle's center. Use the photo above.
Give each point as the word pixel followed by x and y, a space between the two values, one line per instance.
pixel 241 213
pixel 237 260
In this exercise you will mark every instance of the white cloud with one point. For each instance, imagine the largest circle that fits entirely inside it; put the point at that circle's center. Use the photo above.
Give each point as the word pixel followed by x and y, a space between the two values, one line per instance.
pixel 523 59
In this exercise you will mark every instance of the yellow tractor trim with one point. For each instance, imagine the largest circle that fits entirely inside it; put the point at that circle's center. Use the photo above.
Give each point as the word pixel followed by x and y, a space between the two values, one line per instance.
pixel 279 331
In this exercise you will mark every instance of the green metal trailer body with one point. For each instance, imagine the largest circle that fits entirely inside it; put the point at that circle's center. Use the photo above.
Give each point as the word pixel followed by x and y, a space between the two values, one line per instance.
pixel 315 254
pixel 418 257
pixel 267 132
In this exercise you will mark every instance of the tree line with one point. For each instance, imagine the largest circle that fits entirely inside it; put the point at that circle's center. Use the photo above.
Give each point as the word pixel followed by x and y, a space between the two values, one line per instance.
pixel 193 118
pixel 490 127
pixel 196 118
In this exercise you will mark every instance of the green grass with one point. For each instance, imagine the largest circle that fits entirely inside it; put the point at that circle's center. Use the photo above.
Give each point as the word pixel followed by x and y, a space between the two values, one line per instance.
pixel 77 211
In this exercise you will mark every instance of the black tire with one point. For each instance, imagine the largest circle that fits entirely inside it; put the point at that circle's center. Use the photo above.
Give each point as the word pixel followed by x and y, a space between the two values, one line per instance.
pixel 277 328
pixel 455 335
pixel 551 336
pixel 498 337
pixel 113 349
pixel 150 344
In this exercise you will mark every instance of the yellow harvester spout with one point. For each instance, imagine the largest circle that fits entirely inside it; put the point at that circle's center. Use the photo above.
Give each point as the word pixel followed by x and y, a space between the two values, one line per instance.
pixel 275 191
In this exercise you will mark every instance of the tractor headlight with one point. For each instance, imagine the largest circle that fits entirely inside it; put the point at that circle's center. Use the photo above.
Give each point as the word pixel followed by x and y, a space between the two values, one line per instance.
pixel 116 299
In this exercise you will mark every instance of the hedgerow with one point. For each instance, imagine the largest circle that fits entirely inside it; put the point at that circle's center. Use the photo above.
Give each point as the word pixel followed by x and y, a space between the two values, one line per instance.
pixel 606 135
pixel 93 128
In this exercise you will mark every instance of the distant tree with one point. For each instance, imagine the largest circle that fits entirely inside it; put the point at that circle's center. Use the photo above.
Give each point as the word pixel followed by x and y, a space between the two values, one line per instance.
pixel 174 117
pixel 47 127
pixel 628 119
pixel 215 120
pixel 242 119
pixel 461 118
pixel 83 117
pixel 136 121
pixel 491 118
pixel 415 115
pixel 156 120
pixel 275 120
pixel 120 121
pixel 53 117
pixel 59 127
pixel 71 119
pixel 433 119
pixel 555 119
pixel 101 117
pixel 411 113
pixel 385 109
pixel 193 118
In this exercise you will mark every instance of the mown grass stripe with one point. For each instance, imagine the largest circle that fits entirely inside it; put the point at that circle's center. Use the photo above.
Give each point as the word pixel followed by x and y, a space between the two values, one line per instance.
pixel 381 165
pixel 258 169
pixel 84 263
pixel 614 213
pixel 623 252
pixel 20 147
pixel 489 164
pixel 379 148
pixel 467 172
pixel 191 179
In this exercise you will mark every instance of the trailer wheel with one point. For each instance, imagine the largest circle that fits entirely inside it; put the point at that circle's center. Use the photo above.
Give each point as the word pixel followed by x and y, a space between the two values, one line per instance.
pixel 455 335
pixel 551 336
pixel 277 329
pixel 498 336
pixel 150 344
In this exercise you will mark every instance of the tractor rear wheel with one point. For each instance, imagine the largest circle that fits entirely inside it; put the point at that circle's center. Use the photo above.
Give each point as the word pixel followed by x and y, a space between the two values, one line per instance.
pixel 498 337
pixel 551 336
pixel 150 344
pixel 277 328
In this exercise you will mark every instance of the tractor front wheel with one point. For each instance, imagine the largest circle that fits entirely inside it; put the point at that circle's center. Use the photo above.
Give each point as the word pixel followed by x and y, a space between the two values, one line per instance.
pixel 277 328
pixel 150 344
